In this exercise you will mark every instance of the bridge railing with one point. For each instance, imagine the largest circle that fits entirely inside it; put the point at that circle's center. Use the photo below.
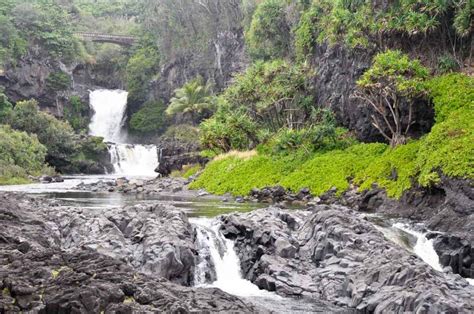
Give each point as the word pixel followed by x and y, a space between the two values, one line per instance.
pixel 99 36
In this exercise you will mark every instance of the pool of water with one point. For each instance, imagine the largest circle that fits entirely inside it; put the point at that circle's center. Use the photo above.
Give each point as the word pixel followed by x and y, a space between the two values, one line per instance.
pixel 66 193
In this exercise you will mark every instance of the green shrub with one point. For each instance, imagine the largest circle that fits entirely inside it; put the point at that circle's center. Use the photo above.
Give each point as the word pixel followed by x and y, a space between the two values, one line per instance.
pixel 395 170
pixel 228 129
pixel 448 148
pixel 333 169
pixel 57 136
pixel 141 67
pixel 182 132
pixel 77 114
pixel 20 155
pixel 451 92
pixel 5 108
pixel 151 118
pixel 239 175
pixel 269 34
pixel 360 23
pixel 58 81
pixel 274 94
pixel 447 63
pixel 389 88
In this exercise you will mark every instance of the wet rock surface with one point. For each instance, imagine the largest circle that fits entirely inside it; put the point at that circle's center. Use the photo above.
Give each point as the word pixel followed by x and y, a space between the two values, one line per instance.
pixel 133 186
pixel 175 154
pixel 332 254
pixel 60 260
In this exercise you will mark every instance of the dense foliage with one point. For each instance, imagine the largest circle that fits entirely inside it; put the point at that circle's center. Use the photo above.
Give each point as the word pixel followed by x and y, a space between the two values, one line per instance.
pixel 390 88
pixel 194 98
pixel 20 155
pixel 77 114
pixel 447 149
pixel 5 108
pixel 228 129
pixel 151 118
pixel 44 23
pixel 451 92
pixel 360 23
pixel 274 94
pixel 57 136
pixel 269 34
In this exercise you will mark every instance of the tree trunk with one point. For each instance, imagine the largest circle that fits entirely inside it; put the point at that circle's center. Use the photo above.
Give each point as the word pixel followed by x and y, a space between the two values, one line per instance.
pixel 398 139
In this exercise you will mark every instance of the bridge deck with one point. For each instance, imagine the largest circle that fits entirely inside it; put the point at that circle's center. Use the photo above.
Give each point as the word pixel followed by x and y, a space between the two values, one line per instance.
pixel 119 39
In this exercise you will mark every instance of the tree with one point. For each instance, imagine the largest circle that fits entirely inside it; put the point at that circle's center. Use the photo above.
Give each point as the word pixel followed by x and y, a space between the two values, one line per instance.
pixel 269 35
pixel 149 119
pixel 57 136
pixel 390 87
pixel 228 129
pixel 274 93
pixel 21 150
pixel 5 108
pixel 194 98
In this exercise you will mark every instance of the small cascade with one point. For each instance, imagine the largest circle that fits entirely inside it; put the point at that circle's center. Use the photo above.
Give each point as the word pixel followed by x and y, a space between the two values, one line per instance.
pixel 423 247
pixel 219 265
pixel 109 115
pixel 139 160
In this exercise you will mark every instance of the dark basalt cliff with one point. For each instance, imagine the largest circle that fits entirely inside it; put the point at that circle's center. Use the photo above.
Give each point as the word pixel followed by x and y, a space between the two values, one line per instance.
pixel 332 254
pixel 69 260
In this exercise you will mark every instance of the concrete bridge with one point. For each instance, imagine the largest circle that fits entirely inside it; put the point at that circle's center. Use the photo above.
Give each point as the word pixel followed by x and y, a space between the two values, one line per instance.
pixel 106 38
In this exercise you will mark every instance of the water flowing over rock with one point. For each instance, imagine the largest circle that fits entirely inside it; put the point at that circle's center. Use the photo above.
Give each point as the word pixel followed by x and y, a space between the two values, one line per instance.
pixel 332 254
pixel 109 115
pixel 59 259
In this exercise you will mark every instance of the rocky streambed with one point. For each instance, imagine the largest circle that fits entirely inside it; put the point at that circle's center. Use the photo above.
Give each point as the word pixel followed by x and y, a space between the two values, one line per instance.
pixel 144 258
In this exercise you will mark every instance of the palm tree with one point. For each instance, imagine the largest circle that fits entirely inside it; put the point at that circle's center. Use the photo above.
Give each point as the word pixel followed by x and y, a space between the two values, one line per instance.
pixel 194 98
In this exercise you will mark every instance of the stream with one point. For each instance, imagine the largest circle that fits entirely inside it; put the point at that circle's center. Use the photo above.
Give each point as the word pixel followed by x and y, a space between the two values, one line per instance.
pixel 219 264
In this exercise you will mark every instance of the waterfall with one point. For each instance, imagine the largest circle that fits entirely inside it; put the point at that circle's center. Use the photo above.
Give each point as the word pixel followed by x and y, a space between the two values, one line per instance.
pixel 423 247
pixel 109 115
pixel 140 160
pixel 218 252
pixel 109 110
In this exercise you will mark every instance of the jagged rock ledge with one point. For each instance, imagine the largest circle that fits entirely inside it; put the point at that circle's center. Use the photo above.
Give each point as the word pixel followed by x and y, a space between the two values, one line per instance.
pixel 332 254
pixel 137 259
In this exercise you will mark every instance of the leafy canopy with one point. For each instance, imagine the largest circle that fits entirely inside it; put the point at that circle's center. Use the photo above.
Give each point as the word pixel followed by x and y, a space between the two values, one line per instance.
pixel 151 118
pixel 194 98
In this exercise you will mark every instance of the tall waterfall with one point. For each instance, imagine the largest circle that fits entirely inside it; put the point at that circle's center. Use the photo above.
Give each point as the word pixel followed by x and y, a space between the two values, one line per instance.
pixel 217 251
pixel 109 114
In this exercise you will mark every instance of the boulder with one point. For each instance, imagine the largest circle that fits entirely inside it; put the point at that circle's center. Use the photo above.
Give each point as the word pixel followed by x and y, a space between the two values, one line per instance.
pixel 69 260
pixel 332 254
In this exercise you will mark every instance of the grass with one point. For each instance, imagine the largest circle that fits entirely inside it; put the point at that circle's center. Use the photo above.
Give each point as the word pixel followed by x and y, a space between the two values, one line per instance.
pixel 447 149
pixel 186 171
pixel 13 181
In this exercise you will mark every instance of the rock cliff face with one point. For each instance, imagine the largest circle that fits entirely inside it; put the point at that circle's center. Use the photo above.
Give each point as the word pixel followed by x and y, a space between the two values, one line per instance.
pixel 337 70
pixel 174 155
pixel 227 56
pixel 28 79
pixel 331 253
pixel 69 260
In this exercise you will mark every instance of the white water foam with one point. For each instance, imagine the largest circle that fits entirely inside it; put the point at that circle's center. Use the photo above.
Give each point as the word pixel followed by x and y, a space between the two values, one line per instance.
pixel 109 114
pixel 423 247
pixel 109 109
pixel 225 260
pixel 138 160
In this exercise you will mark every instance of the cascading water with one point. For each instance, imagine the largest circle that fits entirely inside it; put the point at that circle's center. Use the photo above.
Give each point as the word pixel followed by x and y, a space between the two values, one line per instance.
pixel 217 251
pixel 423 247
pixel 109 111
